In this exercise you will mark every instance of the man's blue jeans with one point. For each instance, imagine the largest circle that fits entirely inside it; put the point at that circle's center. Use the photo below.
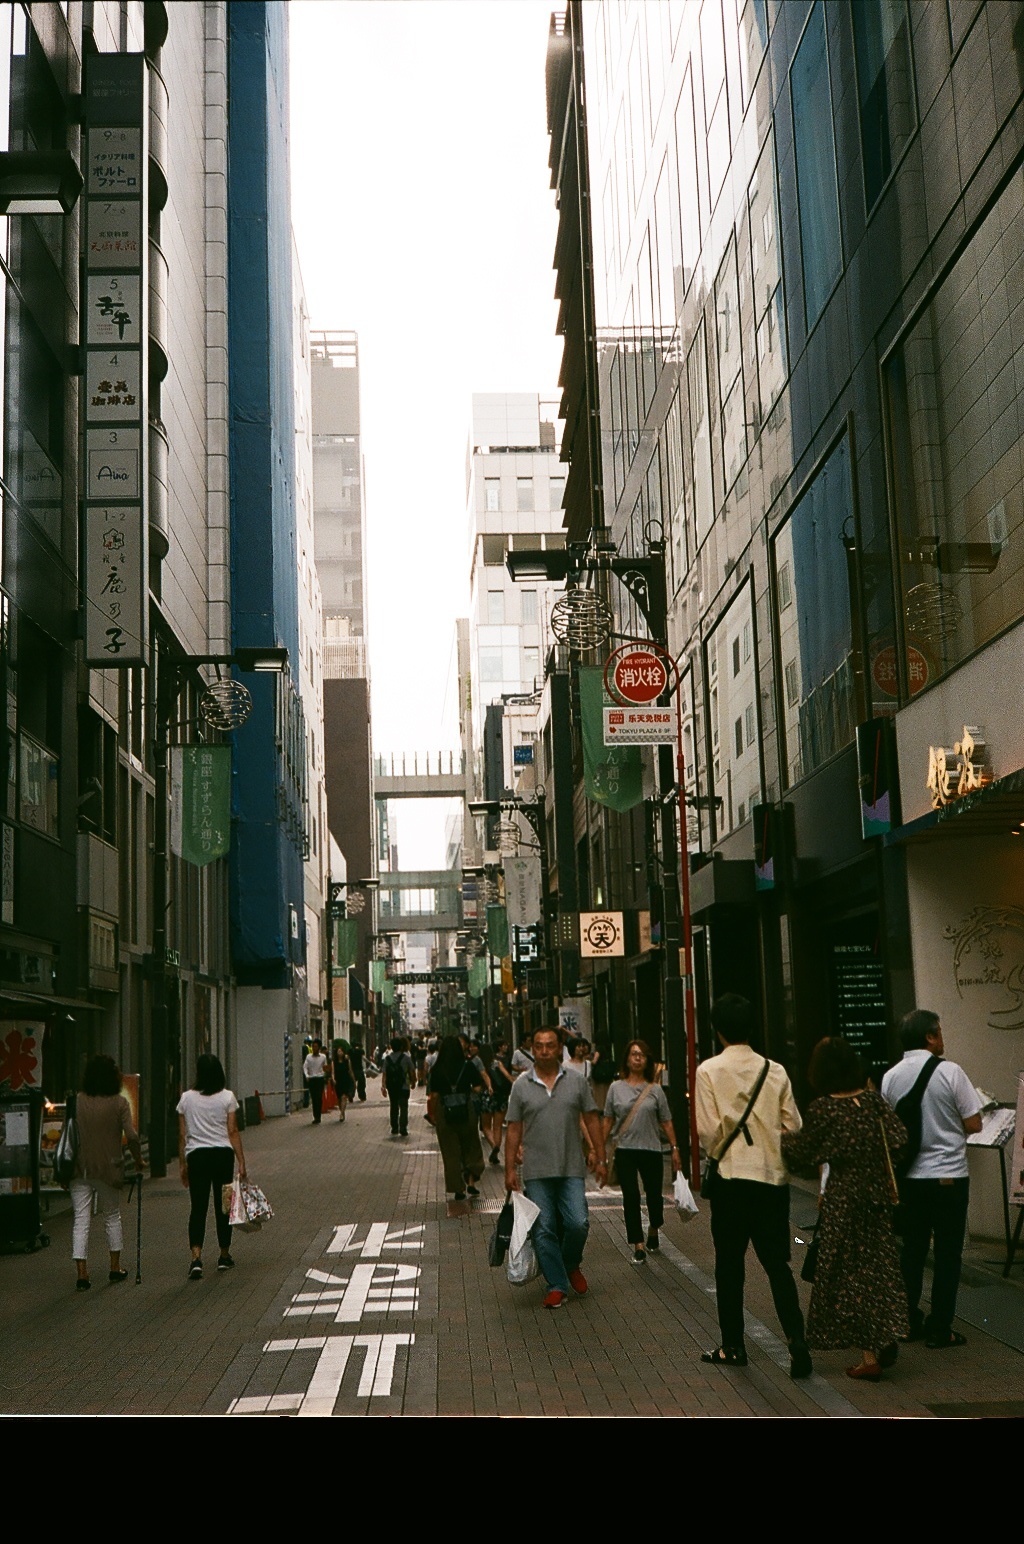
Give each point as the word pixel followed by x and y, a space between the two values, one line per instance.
pixel 560 1232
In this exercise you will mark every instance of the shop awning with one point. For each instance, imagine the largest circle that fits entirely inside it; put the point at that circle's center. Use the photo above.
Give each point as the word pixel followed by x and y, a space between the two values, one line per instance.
pixel 997 810
pixel 356 994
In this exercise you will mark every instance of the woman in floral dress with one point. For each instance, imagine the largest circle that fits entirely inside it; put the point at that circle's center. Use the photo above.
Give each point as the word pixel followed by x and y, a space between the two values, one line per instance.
pixel 858 1298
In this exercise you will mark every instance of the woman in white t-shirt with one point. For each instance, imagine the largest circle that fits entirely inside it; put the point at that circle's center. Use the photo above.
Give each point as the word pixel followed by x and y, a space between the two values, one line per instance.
pixel 208 1141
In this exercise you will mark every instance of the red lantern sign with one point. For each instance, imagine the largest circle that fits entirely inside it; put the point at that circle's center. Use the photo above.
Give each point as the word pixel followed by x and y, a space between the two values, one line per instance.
pixel 637 675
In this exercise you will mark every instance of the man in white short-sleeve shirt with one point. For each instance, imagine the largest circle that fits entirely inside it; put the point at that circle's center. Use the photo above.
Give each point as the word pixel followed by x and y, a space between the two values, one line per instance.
pixel 935 1192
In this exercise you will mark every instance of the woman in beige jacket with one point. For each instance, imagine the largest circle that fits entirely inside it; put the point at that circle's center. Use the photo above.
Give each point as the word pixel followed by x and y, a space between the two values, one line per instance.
pixel 104 1118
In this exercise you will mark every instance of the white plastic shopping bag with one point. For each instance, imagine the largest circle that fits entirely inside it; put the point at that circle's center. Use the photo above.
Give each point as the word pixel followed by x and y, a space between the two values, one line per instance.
pixel 521 1264
pixel 686 1202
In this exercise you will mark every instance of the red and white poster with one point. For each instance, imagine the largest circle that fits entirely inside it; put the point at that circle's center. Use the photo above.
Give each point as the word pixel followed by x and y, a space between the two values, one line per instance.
pixel 21 1054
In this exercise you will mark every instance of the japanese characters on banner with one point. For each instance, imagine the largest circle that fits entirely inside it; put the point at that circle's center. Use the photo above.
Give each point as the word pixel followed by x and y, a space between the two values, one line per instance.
pixel 21 1055
pixel 958 770
pixel 200 777
pixel 115 577
pixel 523 891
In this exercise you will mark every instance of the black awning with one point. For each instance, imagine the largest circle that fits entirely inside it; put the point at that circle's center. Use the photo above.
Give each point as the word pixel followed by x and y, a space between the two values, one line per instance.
pixel 356 994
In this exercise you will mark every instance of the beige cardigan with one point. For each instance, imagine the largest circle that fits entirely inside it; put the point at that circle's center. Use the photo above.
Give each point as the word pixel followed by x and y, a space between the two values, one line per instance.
pixel 102 1118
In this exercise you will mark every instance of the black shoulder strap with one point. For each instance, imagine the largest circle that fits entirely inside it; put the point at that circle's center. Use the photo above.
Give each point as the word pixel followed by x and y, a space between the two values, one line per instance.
pixel 741 1124
pixel 916 1094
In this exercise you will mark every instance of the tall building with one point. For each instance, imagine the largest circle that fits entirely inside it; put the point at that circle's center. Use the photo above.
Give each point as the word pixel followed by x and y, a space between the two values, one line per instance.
pixel 515 487
pixel 340 545
pixel 797 323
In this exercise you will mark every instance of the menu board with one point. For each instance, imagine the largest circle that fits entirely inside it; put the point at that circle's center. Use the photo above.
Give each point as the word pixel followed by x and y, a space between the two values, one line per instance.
pixel 858 984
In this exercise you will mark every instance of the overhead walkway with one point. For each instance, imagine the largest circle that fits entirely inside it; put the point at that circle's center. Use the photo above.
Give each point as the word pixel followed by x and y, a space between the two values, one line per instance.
pixel 420 775
pixel 419 901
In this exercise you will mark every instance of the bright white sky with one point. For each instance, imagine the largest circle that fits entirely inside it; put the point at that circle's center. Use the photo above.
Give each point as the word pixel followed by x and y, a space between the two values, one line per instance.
pixel 425 221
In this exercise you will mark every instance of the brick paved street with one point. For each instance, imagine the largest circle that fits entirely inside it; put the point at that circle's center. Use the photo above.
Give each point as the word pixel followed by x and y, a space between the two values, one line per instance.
pixel 363 1297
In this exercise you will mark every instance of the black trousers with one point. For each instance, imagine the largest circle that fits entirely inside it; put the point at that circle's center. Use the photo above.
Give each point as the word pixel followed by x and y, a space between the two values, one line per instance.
pixel 636 1165
pixel 934 1213
pixel 399 1112
pixel 745 1212
pixel 316 1090
pixel 209 1168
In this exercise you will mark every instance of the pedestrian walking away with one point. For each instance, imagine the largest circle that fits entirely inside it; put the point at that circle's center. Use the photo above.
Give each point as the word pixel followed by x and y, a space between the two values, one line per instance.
pixel 452 1082
pixel 635 1115
pixel 396 1078
pixel 502 1078
pixel 315 1069
pixel 858 1297
pixel 357 1061
pixel 341 1073
pixel 104 1117
pixel 739 1092
pixel 208 1144
pixel 934 1191
pixel 544 1112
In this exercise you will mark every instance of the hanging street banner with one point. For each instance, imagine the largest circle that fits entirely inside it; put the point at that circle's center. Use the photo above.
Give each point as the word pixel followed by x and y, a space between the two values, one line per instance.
pixel 497 930
pixel 115 329
pixel 601 934
pixel 200 777
pixel 523 891
pixel 378 975
pixel 477 983
pixel 641 726
pixel 346 945
pixel 613 774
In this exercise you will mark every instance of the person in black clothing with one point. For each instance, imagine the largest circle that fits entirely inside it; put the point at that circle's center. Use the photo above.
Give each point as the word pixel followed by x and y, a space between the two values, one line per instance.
pixel 453 1081
pixel 396 1080
pixel 358 1065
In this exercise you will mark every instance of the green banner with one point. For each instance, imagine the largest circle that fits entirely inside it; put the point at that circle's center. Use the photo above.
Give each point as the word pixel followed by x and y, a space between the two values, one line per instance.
pixel 613 773
pixel 497 930
pixel 387 993
pixel 346 943
pixel 200 802
pixel 378 975
pixel 476 984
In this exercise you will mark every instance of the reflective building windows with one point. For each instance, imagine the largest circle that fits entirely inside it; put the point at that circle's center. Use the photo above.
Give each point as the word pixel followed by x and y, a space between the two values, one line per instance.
pixel 817 191
pixel 955 389
pixel 766 267
pixel 885 87
pixel 731 677
pixel 814 608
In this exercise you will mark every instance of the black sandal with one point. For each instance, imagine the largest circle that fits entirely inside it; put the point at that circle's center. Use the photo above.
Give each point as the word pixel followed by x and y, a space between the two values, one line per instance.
pixel 725 1356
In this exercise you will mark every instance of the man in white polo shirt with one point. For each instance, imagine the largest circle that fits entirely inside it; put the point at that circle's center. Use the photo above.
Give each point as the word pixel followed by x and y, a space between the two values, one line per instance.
pixel 934 1194
pixel 545 1107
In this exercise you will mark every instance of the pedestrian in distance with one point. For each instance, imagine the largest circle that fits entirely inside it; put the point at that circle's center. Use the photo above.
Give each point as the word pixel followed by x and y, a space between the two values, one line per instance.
pixel 502 1079
pixel 208 1144
pixel 635 1115
pixel 857 1298
pixel 451 1086
pixel 396 1079
pixel 935 1190
pixel 104 1121
pixel 341 1074
pixel 315 1070
pixel 544 1112
pixel 739 1093
pixel 357 1062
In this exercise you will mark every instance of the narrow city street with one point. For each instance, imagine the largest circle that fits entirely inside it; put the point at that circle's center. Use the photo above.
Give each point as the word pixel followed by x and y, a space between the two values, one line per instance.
pixel 364 1297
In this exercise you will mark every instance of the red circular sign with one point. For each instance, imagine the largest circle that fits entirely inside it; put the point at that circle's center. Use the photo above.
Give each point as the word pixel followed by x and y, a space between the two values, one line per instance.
pixel 639 676
pixel 883 671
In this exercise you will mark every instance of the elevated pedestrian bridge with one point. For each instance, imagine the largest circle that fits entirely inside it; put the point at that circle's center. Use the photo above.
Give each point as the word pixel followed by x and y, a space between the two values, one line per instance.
pixel 419 901
pixel 420 775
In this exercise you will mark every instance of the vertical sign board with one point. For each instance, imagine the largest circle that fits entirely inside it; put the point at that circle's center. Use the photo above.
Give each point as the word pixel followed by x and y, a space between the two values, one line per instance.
pixel 114 301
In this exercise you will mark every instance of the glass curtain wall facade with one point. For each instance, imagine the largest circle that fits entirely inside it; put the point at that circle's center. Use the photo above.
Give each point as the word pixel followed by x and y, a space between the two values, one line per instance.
pixel 809 379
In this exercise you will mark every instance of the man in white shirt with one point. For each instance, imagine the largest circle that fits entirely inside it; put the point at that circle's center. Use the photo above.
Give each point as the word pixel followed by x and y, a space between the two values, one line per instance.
pixel 935 1192
pixel 750 1199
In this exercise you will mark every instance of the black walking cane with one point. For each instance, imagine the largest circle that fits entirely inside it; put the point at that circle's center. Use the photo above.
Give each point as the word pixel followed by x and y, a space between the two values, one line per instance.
pixel 138 1231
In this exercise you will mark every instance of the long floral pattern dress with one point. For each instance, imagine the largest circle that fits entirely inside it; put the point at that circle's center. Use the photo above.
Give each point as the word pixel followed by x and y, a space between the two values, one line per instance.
pixel 858 1298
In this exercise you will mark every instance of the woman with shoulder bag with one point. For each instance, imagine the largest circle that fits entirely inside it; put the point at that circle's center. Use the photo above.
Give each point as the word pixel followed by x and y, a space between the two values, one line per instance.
pixel 450 1088
pixel 858 1298
pixel 636 1112
pixel 104 1118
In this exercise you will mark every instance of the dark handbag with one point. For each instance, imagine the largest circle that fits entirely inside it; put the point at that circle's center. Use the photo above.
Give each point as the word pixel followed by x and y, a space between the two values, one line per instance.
pixel 501 1236
pixel 710 1177
pixel 810 1265
pixel 456 1105
pixel 65 1159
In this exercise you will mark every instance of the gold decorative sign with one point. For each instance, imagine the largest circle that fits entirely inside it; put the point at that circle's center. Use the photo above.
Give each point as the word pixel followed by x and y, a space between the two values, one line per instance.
pixel 958 770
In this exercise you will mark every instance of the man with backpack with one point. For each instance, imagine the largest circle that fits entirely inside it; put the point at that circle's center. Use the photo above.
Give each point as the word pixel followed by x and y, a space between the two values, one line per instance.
pixel 940 1108
pixel 395 1081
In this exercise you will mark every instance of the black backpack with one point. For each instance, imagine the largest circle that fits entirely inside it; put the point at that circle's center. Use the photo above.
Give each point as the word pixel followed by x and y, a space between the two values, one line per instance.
pixel 908 1110
pixel 395 1072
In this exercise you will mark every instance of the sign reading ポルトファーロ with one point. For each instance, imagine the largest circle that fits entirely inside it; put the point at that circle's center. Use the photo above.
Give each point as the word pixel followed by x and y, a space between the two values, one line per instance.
pixel 601 934
pixel 115 575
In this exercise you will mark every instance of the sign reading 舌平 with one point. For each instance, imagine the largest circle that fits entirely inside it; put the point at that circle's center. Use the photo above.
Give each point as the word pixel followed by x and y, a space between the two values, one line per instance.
pixel 200 802
pixel 601 934
pixel 115 570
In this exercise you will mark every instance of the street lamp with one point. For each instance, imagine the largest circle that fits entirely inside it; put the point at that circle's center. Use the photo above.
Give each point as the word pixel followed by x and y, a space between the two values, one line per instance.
pixel 39 182
pixel 172 673
pixel 533 811
pixel 338 908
